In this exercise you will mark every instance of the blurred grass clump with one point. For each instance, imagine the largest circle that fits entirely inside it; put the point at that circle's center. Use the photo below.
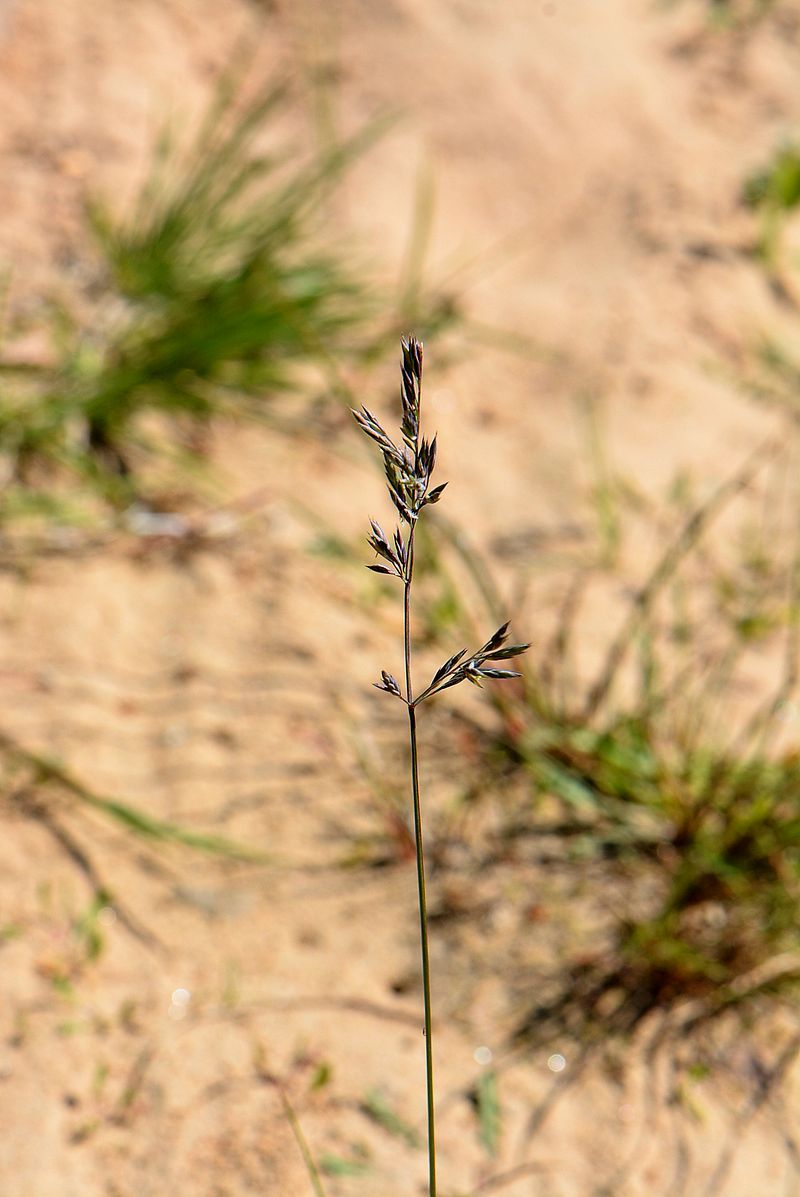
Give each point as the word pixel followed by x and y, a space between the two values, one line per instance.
pixel 773 192
pixel 691 811
pixel 663 775
pixel 222 291
pixel 702 859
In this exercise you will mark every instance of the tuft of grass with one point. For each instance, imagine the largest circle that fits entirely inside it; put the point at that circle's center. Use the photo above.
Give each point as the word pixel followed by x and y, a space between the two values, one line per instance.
pixel 231 283
pixel 703 851
pixel 220 292
pixel 697 834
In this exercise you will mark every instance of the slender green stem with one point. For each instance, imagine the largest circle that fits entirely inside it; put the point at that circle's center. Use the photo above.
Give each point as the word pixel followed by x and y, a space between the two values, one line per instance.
pixel 408 468
pixel 423 908
pixel 426 966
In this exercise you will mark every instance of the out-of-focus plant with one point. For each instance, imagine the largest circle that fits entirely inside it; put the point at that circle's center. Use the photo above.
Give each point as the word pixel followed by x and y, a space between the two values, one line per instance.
pixel 774 192
pixel 699 833
pixel 220 292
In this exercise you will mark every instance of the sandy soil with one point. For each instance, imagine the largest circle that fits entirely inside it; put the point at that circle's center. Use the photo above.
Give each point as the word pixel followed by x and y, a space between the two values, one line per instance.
pixel 587 160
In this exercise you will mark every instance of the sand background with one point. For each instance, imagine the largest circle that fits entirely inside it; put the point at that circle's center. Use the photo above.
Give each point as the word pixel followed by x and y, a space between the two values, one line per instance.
pixel 587 162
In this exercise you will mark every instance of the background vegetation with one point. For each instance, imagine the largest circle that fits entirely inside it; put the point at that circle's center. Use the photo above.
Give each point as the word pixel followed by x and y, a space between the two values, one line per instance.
pixel 643 778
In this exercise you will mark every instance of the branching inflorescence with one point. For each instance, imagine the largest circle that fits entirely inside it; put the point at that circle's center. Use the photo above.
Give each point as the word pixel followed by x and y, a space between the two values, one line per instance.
pixel 409 468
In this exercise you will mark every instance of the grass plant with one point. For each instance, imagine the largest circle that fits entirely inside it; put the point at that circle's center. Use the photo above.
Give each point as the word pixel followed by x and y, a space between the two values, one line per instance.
pixel 409 465
pixel 218 294
pixel 688 815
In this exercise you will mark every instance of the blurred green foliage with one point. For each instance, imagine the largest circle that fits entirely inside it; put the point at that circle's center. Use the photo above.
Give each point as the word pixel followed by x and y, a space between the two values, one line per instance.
pixel 690 822
pixel 778 184
pixel 774 193
pixel 700 836
pixel 222 290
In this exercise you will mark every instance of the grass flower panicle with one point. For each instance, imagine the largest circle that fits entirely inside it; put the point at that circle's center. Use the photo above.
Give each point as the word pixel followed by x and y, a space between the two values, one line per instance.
pixel 409 466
